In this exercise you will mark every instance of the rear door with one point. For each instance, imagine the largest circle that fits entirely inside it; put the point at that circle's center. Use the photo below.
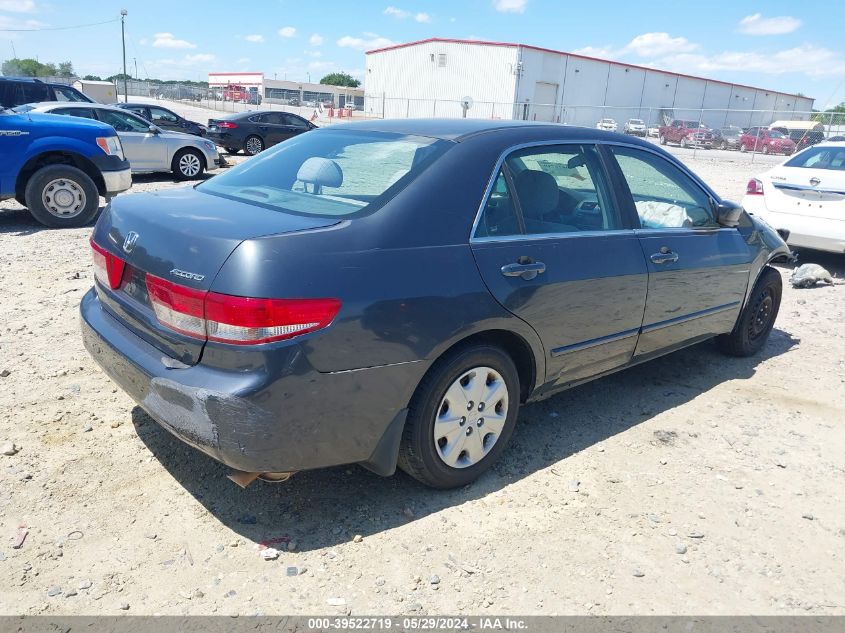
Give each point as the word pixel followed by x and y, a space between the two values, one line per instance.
pixel 698 270
pixel 811 184
pixel 555 249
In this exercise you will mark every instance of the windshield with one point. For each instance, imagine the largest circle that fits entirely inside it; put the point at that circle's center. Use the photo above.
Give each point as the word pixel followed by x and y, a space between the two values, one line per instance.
pixel 334 173
pixel 636 121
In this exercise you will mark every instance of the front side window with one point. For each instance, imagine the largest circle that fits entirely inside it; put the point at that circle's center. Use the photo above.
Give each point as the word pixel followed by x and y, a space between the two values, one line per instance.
pixel 158 114
pixel 85 113
pixel 334 173
pixel 819 158
pixel 123 121
pixel 294 121
pixel 664 197
pixel 66 93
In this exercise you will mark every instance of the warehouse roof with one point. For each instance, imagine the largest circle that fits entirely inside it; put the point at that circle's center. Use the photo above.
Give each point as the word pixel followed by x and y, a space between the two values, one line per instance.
pixel 579 56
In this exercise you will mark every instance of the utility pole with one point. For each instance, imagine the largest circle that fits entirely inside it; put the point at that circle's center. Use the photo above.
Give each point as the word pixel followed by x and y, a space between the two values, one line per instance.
pixel 123 13
pixel 135 59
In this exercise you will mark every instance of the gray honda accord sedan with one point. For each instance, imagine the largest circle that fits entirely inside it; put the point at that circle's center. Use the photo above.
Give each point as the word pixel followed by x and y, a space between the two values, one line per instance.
pixel 390 292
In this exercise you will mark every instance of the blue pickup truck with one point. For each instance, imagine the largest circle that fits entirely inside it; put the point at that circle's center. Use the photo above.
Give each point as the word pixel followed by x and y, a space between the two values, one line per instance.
pixel 58 167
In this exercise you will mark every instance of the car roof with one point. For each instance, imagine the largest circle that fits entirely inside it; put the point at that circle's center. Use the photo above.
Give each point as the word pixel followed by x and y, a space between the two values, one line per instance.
pixel 462 129
pixel 71 104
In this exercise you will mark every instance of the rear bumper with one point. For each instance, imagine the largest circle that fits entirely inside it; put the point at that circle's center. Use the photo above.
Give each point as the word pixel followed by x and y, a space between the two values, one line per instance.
pixel 804 231
pixel 277 416
pixel 117 181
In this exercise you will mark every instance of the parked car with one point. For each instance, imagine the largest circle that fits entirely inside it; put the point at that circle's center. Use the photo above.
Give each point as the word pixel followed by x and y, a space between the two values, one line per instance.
pixel 254 132
pixel 762 139
pixel 835 138
pixel 635 127
pixel 801 138
pixel 686 134
pixel 804 195
pixel 15 91
pixel 164 118
pixel 148 148
pixel 727 137
pixel 654 130
pixel 607 124
pixel 292 313
pixel 58 168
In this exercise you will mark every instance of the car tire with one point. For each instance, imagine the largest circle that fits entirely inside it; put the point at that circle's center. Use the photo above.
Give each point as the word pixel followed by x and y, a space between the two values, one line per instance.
pixel 232 150
pixel 188 164
pixel 743 148
pixel 757 318
pixel 62 196
pixel 765 149
pixel 723 146
pixel 662 139
pixel 684 142
pixel 449 463
pixel 253 145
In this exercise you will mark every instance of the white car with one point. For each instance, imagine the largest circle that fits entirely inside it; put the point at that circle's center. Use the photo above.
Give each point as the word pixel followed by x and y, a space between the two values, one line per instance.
pixel 147 147
pixel 607 124
pixel 635 127
pixel 654 130
pixel 806 196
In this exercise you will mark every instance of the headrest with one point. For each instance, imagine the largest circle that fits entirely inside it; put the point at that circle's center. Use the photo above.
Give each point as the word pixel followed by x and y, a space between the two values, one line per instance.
pixel 321 172
pixel 538 192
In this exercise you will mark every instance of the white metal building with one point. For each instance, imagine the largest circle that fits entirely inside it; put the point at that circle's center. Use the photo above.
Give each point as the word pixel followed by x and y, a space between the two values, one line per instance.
pixel 431 78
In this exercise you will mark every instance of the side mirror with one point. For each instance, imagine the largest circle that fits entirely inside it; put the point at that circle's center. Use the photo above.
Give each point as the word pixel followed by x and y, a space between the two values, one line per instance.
pixel 728 213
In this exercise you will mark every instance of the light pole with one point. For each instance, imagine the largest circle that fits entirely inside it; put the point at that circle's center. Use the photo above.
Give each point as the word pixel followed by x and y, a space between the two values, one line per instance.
pixel 135 59
pixel 123 13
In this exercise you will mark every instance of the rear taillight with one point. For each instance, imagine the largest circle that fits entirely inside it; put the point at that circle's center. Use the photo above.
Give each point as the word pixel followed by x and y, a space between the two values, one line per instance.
pixel 227 125
pixel 236 320
pixel 108 268
pixel 754 188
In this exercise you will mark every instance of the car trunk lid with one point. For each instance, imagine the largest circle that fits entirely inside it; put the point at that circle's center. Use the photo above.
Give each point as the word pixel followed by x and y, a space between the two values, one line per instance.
pixel 184 237
pixel 818 193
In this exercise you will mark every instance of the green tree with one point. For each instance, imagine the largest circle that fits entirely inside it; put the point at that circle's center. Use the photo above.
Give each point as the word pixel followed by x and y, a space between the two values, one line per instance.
pixel 92 78
pixel 118 77
pixel 66 70
pixel 831 116
pixel 340 79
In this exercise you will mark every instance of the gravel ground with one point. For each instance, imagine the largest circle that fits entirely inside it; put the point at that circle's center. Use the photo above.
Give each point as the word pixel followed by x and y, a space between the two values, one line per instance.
pixel 691 484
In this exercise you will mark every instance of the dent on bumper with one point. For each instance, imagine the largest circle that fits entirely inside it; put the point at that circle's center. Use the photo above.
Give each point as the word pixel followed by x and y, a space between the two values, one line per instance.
pixel 117 181
pixel 285 418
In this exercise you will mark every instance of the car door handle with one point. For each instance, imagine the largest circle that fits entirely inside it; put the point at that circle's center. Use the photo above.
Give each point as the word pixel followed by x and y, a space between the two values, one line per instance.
pixel 667 257
pixel 527 271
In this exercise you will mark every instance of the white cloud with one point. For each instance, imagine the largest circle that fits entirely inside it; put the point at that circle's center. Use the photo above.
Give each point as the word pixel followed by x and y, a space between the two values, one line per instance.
pixel 17 6
pixel 653 44
pixel 255 38
pixel 423 18
pixel 397 13
pixel 602 52
pixel 756 24
pixel 372 41
pixel 166 40
pixel 199 58
pixel 316 40
pixel 287 31
pixel 312 53
pixel 7 22
pixel 813 61
pixel 510 6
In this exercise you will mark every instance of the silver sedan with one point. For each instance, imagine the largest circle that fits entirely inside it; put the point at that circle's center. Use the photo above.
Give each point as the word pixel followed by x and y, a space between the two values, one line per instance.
pixel 147 147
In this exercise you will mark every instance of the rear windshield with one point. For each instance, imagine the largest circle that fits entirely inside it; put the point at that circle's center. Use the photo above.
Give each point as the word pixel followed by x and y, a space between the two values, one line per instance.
pixel 329 173
pixel 819 158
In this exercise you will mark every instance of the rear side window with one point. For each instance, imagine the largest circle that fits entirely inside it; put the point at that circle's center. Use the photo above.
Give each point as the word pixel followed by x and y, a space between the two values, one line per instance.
pixel 21 92
pixel 664 197
pixel 819 158
pixel 159 114
pixel 499 218
pixel 334 173
pixel 85 113
pixel 123 121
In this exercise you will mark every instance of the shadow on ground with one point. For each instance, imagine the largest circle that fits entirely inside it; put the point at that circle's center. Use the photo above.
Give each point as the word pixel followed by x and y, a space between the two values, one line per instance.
pixel 16 220
pixel 325 507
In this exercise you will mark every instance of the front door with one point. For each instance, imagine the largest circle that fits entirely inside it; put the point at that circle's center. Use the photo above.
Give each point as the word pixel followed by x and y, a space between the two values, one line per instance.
pixel 698 270
pixel 144 150
pixel 556 250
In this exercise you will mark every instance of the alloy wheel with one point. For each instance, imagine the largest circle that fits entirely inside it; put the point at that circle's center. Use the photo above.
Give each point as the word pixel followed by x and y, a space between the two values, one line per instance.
pixel 254 145
pixel 470 417
pixel 190 165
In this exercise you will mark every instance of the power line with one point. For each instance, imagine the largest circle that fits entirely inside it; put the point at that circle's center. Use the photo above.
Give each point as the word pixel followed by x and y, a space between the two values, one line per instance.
pixel 58 28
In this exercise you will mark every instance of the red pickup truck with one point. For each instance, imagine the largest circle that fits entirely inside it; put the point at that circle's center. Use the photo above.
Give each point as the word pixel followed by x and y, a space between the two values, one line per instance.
pixel 686 134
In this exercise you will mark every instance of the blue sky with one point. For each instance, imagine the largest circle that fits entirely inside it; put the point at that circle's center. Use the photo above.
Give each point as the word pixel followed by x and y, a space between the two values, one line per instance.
pixel 789 46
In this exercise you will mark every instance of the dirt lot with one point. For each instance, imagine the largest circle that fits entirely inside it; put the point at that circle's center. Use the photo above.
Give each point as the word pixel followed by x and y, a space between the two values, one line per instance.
pixel 707 485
